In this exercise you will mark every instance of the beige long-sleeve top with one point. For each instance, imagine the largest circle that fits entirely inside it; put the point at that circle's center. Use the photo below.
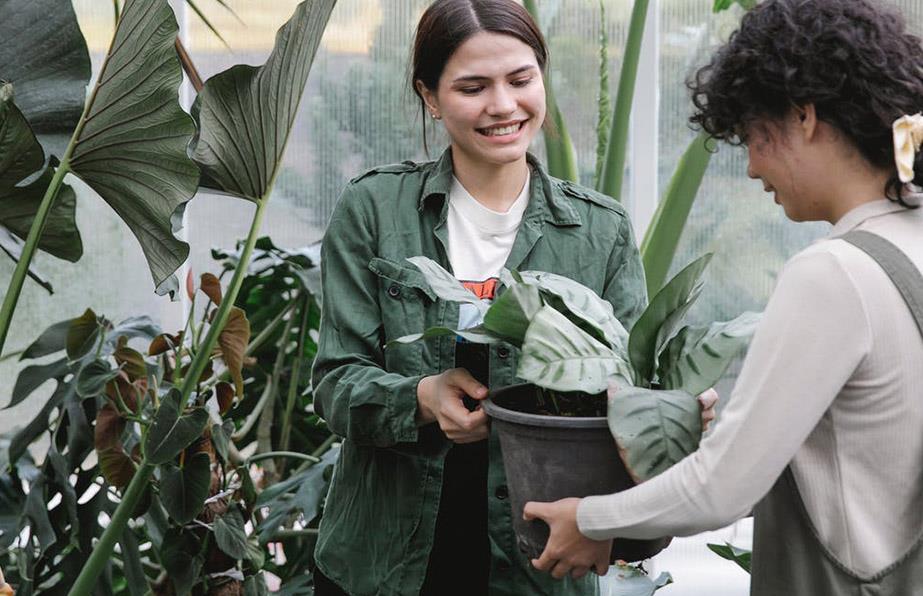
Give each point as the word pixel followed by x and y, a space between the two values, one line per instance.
pixel 833 384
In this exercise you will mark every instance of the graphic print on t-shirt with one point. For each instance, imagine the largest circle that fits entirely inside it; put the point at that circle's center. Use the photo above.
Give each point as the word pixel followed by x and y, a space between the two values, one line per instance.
pixel 468 314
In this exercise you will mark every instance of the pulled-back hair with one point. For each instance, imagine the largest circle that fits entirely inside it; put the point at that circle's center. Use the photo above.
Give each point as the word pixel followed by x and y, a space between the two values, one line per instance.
pixel 447 24
pixel 854 60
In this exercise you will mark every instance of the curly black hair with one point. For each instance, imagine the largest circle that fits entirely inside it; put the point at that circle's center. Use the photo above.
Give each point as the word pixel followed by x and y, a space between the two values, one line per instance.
pixel 854 60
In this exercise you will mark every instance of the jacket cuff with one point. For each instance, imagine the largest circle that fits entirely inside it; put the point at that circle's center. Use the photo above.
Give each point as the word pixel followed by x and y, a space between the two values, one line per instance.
pixel 402 409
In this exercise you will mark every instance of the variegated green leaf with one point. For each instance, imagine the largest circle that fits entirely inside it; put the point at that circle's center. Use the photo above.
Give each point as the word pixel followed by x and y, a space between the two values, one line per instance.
pixel 656 324
pixel 477 335
pixel 509 315
pixel 444 284
pixel 696 358
pixel 558 355
pixel 584 304
pixel 653 429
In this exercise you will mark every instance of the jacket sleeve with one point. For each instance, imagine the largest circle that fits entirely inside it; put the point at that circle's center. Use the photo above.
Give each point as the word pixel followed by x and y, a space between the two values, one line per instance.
pixel 353 392
pixel 625 287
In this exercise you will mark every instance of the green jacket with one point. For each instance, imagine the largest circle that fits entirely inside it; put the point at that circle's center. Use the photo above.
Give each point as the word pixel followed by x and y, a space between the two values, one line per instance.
pixel 377 530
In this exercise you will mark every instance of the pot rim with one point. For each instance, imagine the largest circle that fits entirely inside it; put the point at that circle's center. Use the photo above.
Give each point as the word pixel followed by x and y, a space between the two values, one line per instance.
pixel 497 411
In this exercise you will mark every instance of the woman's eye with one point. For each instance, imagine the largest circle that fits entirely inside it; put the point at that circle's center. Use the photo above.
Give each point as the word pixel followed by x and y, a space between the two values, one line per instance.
pixel 522 82
pixel 471 90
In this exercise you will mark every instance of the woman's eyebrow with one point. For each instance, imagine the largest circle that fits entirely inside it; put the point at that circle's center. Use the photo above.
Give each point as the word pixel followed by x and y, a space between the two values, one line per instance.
pixel 469 78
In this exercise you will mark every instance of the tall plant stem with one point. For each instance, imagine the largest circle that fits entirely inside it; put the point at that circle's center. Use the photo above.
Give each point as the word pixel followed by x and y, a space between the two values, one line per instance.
pixel 86 581
pixel 613 172
pixel 296 374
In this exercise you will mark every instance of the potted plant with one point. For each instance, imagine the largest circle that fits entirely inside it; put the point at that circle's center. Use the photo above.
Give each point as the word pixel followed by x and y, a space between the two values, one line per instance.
pixel 589 381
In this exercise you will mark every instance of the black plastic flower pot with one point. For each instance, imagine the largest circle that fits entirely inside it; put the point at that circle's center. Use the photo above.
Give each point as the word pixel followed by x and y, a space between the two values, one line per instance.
pixel 548 458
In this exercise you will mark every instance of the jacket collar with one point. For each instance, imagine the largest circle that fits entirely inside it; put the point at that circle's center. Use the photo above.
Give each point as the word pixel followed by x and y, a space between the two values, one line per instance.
pixel 544 203
pixel 863 213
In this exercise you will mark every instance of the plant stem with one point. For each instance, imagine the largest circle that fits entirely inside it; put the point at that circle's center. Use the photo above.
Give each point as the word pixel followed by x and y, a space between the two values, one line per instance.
pixel 86 581
pixel 296 374
pixel 613 172
pixel 290 454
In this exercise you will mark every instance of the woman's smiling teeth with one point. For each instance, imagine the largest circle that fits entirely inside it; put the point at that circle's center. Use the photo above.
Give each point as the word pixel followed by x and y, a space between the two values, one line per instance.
pixel 501 131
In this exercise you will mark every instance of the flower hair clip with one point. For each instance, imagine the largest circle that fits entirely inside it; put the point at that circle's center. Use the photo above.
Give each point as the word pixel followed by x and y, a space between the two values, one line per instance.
pixel 908 137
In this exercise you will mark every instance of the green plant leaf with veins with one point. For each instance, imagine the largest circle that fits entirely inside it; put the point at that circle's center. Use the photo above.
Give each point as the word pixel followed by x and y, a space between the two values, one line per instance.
pixel 509 315
pixel 696 358
pixel 172 430
pixel 445 285
pixel 558 355
pixel 653 429
pixel 183 489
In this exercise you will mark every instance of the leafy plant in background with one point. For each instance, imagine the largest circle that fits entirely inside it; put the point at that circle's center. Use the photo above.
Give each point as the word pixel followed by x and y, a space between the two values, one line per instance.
pixel 730 552
pixel 633 580
pixel 191 536
pixel 570 341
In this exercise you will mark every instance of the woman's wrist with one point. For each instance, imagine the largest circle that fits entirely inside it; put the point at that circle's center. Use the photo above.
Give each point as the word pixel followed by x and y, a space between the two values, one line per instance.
pixel 425 390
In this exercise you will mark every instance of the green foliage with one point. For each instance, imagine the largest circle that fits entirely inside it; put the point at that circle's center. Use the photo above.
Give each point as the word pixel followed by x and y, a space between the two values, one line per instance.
pixel 732 553
pixel 631 580
pixel 720 5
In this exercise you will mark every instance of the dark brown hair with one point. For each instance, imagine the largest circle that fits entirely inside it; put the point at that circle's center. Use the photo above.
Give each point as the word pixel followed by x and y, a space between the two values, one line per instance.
pixel 853 59
pixel 447 24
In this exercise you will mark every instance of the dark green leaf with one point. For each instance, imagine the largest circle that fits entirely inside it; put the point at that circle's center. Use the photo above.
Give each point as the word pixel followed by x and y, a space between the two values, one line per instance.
pixel 510 314
pixel 35 514
pixel 22 439
pixel 730 552
pixel 230 534
pixel 178 555
pixel 50 79
pixel 132 147
pixel 255 585
pixel 12 246
pixel 53 339
pixel 221 437
pixel 256 554
pixel 92 379
pixel 12 500
pixel 20 152
pixel 79 432
pixel 653 429
pixel 172 432
pixel 657 323
pixel 33 377
pixel 82 334
pixel 245 113
pixel 183 490
pixel 135 579
pixel 135 327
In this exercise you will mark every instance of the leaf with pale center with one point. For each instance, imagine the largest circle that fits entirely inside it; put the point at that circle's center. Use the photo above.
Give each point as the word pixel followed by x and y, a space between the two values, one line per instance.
pixel 653 429
pixel 477 335
pixel 558 355
pixel 651 329
pixel 246 113
pixel 696 358
pixel 445 285
pixel 132 140
pixel 510 314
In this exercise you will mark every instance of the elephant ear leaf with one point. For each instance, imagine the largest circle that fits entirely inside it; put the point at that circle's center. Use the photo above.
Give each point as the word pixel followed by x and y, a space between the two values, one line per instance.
pixel 21 157
pixel 130 144
pixel 661 318
pixel 245 113
pixel 696 358
pixel 653 429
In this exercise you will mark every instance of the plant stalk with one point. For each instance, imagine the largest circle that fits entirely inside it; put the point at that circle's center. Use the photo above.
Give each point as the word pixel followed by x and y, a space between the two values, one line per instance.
pixel 613 172
pixel 296 375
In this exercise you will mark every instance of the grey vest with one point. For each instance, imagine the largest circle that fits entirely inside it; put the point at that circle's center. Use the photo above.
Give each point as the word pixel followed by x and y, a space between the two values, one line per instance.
pixel 788 557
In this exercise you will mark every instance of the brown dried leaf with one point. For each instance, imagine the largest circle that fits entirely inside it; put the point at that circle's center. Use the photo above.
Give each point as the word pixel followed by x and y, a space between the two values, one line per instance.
pixel 224 393
pixel 116 466
pixel 131 362
pixel 211 286
pixel 165 342
pixel 233 341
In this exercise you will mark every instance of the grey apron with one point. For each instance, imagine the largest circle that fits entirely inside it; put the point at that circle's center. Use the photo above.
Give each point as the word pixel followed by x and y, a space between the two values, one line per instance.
pixel 789 558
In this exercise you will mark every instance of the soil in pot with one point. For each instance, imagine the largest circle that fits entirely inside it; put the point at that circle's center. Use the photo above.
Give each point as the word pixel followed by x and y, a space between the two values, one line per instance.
pixel 549 457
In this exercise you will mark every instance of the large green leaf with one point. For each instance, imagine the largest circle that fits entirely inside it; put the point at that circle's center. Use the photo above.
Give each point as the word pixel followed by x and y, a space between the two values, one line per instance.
pixel 445 285
pixel 21 156
pixel 558 355
pixel 510 314
pixel 584 304
pixel 478 335
pixel 53 339
pixel 730 552
pixel 92 378
pixel 172 431
pixel 653 429
pixel 230 533
pixel 656 323
pixel 13 247
pixel 131 142
pixel 662 237
pixel 696 357
pixel 246 113
pixel 183 489
pixel 44 55
pixel 33 377
pixel 180 556
pixel 39 423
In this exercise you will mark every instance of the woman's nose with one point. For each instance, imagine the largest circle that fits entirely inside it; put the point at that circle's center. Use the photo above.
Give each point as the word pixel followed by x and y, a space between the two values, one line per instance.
pixel 502 102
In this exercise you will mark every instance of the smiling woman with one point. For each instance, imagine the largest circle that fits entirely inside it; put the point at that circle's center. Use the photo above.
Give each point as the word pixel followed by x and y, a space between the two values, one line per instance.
pixel 418 503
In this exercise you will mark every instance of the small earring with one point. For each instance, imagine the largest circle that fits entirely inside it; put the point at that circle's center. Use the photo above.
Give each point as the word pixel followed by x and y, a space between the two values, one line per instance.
pixel 435 116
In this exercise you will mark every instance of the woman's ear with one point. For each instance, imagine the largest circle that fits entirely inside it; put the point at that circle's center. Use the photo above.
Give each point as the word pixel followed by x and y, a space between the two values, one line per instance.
pixel 429 98
pixel 807 118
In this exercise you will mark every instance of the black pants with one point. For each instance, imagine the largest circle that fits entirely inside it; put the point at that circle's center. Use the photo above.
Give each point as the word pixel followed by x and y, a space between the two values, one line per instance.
pixel 459 562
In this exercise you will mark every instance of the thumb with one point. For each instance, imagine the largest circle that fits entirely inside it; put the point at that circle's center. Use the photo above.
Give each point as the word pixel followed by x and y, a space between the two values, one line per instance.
pixel 471 386
pixel 535 510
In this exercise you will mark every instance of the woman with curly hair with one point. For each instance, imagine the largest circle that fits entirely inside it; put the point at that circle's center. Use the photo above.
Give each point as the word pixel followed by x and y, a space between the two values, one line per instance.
pixel 821 438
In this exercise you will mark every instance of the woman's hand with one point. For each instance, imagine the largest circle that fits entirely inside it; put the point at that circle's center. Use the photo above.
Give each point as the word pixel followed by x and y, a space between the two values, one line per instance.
pixel 567 551
pixel 439 399
pixel 707 401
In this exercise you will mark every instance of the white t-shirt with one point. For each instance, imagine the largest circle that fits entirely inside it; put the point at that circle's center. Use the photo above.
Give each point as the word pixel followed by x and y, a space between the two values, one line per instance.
pixel 480 241
pixel 831 384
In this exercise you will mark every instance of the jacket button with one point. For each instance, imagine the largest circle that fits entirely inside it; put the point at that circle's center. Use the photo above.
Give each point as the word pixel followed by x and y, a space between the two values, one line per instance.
pixel 502 492
pixel 394 292
pixel 503 352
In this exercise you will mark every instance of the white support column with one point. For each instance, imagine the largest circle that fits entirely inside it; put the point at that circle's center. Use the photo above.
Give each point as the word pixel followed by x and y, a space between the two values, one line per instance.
pixel 643 190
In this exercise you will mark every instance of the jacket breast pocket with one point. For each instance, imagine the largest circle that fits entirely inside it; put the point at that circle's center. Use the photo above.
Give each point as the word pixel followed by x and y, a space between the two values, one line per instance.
pixel 404 297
